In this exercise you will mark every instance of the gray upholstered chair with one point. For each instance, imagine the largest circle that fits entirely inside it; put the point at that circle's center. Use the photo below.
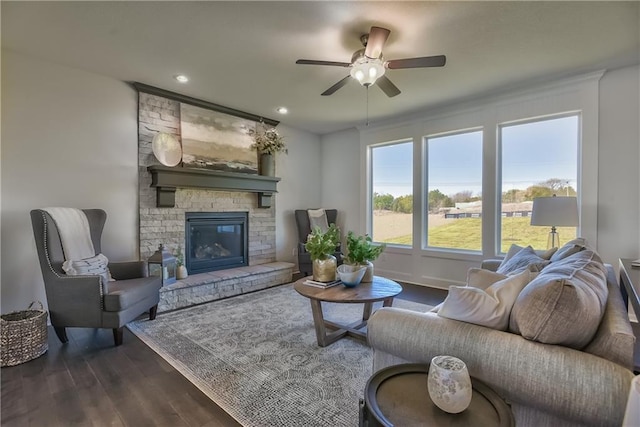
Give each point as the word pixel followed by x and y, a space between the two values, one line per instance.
pixel 82 301
pixel 304 229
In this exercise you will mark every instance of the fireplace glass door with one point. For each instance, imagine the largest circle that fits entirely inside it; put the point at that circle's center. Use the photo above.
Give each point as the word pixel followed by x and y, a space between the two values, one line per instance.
pixel 216 241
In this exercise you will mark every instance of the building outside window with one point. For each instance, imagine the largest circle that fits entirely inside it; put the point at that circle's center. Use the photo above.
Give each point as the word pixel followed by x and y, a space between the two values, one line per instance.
pixel 392 193
pixel 454 191
pixel 538 158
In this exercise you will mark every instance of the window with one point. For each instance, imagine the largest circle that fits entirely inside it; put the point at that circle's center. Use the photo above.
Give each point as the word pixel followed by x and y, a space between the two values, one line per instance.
pixel 392 193
pixel 454 191
pixel 539 158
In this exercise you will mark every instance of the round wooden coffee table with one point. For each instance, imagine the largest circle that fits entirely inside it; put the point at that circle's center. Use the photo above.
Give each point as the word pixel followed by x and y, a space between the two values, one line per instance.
pixel 380 289
pixel 398 395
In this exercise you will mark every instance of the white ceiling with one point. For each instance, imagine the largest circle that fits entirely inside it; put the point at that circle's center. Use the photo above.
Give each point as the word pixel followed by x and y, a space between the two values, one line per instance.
pixel 242 54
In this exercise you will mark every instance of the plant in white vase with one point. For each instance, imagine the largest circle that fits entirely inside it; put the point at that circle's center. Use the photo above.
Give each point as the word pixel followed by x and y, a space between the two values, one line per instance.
pixel 361 251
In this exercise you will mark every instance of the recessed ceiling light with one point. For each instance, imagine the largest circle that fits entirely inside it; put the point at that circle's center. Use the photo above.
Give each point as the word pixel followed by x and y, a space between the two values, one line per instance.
pixel 181 78
pixel 282 110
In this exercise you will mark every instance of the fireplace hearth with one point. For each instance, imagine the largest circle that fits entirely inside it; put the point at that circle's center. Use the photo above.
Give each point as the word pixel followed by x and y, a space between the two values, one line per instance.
pixel 216 241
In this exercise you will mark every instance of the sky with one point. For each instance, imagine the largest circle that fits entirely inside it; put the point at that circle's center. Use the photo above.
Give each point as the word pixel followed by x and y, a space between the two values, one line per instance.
pixel 532 153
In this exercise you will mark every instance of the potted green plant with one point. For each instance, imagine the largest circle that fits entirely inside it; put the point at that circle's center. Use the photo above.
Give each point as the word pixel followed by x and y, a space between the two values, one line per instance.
pixel 321 246
pixel 267 143
pixel 361 251
pixel 181 272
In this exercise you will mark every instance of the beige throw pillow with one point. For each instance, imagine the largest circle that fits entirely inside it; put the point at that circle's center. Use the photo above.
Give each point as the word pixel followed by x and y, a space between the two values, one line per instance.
pixel 481 278
pixel 490 307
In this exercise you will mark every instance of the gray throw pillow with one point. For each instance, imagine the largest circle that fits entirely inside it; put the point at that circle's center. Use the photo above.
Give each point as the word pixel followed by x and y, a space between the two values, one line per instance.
pixel 564 304
pixel 569 248
pixel 542 253
pixel 526 258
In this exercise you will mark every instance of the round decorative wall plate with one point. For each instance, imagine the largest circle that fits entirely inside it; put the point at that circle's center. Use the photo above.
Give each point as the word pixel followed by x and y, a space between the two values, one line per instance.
pixel 167 149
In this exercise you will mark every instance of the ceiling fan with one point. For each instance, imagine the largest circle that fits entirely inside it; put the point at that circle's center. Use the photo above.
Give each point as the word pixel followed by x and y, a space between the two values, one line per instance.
pixel 368 66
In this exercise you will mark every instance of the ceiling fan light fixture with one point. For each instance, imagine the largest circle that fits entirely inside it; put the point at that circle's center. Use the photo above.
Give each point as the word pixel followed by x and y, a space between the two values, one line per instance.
pixel 366 71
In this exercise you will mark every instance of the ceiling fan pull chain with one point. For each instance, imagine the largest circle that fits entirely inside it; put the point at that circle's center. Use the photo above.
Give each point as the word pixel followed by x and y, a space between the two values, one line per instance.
pixel 367 123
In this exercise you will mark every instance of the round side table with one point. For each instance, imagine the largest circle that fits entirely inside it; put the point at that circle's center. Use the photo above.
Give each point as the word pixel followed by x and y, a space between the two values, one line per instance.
pixel 398 395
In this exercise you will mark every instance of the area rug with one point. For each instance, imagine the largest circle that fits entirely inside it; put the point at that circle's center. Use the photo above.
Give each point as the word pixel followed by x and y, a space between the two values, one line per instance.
pixel 256 356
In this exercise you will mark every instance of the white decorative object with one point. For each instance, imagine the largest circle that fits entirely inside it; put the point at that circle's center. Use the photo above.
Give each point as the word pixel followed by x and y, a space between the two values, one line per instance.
pixel 167 149
pixel 351 275
pixel 368 274
pixel 449 384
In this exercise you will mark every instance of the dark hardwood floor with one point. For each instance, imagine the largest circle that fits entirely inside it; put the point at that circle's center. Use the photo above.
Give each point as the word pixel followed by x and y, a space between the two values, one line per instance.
pixel 89 382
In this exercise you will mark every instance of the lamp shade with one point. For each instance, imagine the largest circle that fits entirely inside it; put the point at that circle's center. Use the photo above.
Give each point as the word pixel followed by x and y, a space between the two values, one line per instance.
pixel 555 211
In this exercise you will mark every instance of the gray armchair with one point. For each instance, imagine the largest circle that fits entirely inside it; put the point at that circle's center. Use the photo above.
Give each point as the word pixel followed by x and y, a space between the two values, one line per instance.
pixel 304 229
pixel 82 301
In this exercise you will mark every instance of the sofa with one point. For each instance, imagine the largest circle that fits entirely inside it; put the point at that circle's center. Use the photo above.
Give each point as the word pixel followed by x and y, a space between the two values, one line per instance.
pixel 545 377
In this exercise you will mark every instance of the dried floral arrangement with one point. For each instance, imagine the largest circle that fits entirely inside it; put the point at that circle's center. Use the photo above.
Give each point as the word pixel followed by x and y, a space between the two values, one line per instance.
pixel 268 141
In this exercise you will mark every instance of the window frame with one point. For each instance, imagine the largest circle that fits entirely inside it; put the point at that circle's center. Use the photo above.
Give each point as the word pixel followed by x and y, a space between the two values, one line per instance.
pixel 578 93
pixel 425 186
pixel 369 196
pixel 499 145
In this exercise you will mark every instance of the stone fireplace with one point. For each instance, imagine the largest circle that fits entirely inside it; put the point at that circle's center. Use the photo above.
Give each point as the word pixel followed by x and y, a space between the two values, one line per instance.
pixel 217 266
pixel 166 225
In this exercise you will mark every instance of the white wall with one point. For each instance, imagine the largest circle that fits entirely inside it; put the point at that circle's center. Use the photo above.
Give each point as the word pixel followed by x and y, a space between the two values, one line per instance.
pixel 341 178
pixel 69 138
pixel 618 186
pixel 300 187
pixel 609 178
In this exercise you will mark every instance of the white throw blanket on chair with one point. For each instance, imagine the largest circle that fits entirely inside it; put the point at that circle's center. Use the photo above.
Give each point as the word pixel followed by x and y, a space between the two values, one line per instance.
pixel 75 235
pixel 318 218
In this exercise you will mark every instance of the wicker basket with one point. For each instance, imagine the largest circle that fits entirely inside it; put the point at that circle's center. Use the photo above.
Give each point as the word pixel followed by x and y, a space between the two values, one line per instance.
pixel 23 335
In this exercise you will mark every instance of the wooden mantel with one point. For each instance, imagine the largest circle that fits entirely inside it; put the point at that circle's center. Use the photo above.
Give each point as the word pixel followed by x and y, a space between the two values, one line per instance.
pixel 167 179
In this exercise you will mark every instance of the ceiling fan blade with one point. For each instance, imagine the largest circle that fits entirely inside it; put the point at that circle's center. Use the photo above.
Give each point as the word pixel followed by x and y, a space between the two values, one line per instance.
pixel 336 86
pixel 377 38
pixel 387 87
pixel 313 62
pixel 425 61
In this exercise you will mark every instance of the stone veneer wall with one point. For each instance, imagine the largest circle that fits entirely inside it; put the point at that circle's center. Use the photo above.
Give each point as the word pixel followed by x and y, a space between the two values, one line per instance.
pixel 166 225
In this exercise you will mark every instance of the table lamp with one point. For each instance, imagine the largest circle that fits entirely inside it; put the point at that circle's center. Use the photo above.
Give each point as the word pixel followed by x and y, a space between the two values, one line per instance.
pixel 555 212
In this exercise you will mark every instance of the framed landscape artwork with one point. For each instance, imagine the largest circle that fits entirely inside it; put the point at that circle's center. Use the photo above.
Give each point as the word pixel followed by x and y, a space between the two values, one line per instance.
pixel 218 141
